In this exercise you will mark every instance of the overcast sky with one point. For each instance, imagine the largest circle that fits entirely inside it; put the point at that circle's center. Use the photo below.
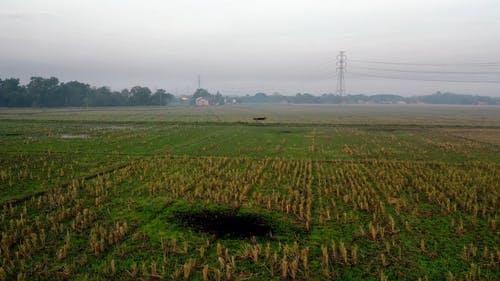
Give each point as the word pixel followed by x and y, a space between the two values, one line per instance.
pixel 242 47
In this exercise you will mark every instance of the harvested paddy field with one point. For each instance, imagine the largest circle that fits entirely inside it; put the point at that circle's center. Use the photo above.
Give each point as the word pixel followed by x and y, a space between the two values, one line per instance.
pixel 310 193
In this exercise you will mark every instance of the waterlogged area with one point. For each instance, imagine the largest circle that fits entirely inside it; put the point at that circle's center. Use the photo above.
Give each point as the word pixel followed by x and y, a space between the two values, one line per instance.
pixel 70 136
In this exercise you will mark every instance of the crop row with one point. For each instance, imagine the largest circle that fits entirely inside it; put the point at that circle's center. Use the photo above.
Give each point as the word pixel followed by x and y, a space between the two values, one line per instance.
pixel 373 218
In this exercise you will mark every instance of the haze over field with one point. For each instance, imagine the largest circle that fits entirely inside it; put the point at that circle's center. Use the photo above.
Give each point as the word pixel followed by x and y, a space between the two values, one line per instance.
pixel 245 47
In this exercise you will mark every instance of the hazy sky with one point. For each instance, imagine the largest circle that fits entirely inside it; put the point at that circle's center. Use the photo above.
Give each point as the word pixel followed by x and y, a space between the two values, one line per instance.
pixel 241 47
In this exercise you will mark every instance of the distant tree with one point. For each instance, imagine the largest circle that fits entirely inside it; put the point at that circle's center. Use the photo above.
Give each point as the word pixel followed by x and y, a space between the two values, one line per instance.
pixel 140 95
pixel 277 98
pixel 125 93
pixel 102 96
pixel 218 99
pixel 74 93
pixel 330 98
pixel 450 98
pixel 260 97
pixel 161 97
pixel 385 99
pixel 200 93
pixel 120 98
pixel 12 93
pixel 43 91
pixel 3 94
pixel 305 98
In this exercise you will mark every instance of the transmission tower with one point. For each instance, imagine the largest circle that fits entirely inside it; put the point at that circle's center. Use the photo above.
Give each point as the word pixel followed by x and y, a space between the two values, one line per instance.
pixel 341 65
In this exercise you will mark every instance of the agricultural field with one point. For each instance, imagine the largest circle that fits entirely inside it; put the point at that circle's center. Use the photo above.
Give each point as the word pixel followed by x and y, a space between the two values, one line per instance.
pixel 337 192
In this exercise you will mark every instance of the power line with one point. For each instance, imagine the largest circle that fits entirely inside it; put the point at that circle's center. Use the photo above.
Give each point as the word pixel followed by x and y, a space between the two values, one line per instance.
pixel 427 71
pixel 485 64
pixel 426 79
pixel 341 64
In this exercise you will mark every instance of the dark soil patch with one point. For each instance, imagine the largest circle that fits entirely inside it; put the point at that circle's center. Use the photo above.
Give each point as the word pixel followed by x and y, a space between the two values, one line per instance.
pixel 225 224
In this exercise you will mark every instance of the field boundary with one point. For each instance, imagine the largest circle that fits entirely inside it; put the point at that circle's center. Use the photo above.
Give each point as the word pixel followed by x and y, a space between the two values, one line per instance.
pixel 254 124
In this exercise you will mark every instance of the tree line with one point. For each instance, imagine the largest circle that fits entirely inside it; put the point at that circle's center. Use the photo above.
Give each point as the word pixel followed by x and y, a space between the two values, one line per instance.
pixel 50 92
pixel 436 98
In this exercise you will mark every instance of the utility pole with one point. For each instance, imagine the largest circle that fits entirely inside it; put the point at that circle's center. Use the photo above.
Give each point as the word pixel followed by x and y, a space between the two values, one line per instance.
pixel 199 81
pixel 341 64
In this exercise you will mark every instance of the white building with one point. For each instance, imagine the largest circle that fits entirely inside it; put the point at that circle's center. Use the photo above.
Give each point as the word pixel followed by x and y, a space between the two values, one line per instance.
pixel 201 102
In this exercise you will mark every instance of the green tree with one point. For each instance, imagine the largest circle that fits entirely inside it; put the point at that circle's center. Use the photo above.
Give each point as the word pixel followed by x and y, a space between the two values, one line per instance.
pixel 74 93
pixel 218 99
pixel 101 96
pixel 12 93
pixel 140 95
pixel 304 98
pixel 161 97
pixel 43 91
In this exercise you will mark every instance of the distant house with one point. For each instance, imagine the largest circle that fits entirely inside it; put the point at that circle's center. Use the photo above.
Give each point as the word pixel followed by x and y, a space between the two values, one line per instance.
pixel 184 98
pixel 201 102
